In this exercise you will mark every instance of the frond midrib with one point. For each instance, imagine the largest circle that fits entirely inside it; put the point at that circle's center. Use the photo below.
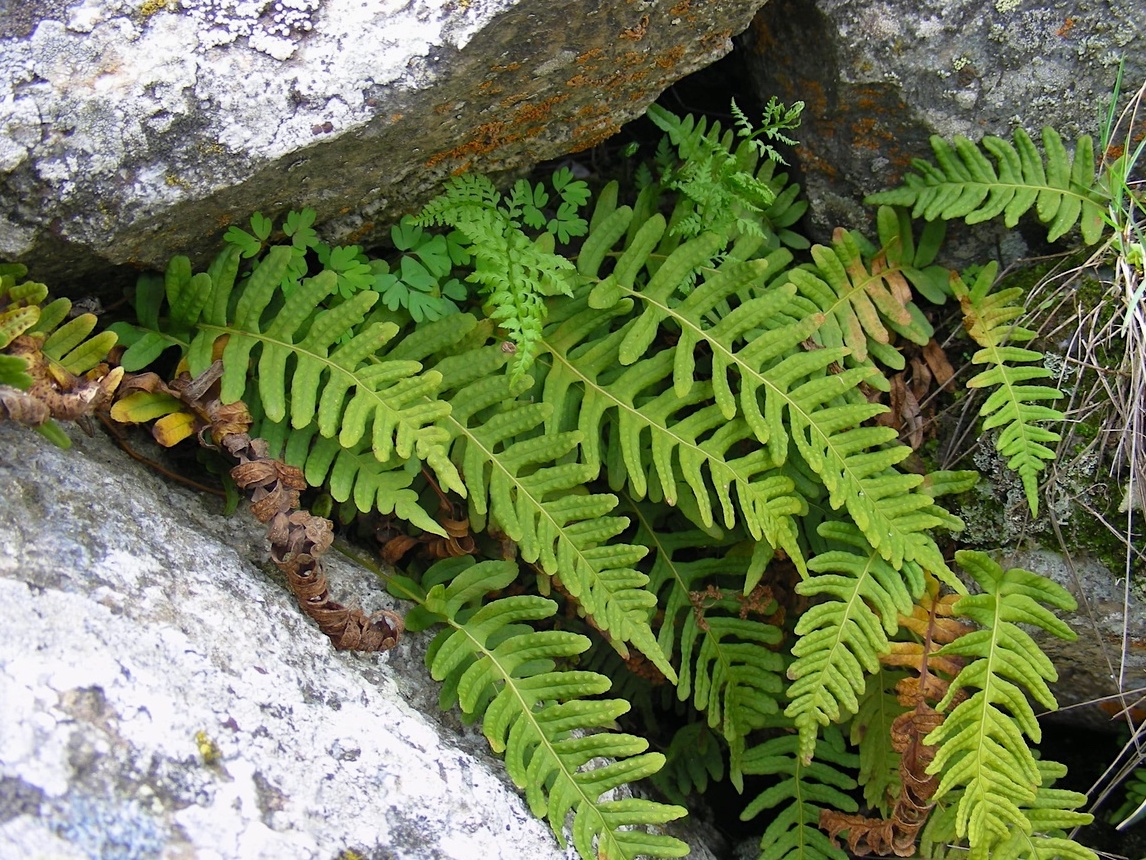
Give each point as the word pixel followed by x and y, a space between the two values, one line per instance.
pixel 527 713
pixel 793 407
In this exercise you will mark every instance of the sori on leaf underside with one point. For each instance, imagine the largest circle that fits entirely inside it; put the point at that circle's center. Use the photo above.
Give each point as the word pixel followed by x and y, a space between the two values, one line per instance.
pixel 666 413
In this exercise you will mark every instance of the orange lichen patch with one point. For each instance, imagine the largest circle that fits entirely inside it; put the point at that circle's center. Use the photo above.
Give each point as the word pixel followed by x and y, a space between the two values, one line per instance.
pixel 592 109
pixel 395 117
pixel 716 40
pixel 1066 27
pixel 681 8
pixel 868 133
pixel 591 54
pixel 443 108
pixel 588 136
pixel 579 80
pixel 670 58
pixel 813 162
pixel 526 122
pixel 360 234
pixel 486 138
pixel 508 67
pixel 637 31
pixel 535 112
pixel 510 101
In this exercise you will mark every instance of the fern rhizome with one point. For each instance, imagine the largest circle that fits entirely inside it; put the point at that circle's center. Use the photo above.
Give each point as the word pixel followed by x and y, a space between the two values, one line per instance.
pixel 667 415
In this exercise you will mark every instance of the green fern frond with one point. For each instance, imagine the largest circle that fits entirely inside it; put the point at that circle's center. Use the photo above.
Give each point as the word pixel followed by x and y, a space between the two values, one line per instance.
pixel 967 184
pixel 351 474
pixel 520 483
pixel 1014 405
pixel 20 311
pixel 980 743
pixel 350 389
pixel 655 441
pixel 693 758
pixel 1052 814
pixel 863 302
pixel 870 733
pixel 539 716
pixel 74 346
pixel 842 638
pixel 514 271
pixel 803 791
pixel 728 667
pixel 183 294
pixel 721 187
pixel 802 400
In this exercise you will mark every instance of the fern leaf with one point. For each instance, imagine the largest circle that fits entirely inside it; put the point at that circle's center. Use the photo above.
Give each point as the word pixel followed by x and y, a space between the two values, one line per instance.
pixel 1052 813
pixel 980 745
pixel 863 302
pixel 842 638
pixel 622 414
pixel 351 474
pixel 539 716
pixel 515 272
pixel 803 402
pixel 729 668
pixel 969 185
pixel 793 833
pixel 694 756
pixel 1014 405
pixel 870 733
pixel 518 481
pixel 349 389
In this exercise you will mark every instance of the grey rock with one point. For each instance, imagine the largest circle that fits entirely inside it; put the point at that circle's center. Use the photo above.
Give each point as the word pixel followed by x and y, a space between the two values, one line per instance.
pixel 879 78
pixel 1108 656
pixel 132 131
pixel 139 624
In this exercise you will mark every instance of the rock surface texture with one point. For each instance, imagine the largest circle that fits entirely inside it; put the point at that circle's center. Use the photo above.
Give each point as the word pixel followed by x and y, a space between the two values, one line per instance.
pixel 132 131
pixel 879 78
pixel 164 697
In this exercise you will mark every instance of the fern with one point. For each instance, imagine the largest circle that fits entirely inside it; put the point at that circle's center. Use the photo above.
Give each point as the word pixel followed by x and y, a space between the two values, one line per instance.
pixel 1013 405
pixel 870 733
pixel 841 639
pixel 980 745
pixel 967 184
pixel 1052 813
pixel 693 758
pixel 539 716
pixel 52 352
pixel 687 408
pixel 802 402
pixel 868 302
pixel 515 272
pixel 726 192
pixel 518 484
pixel 806 788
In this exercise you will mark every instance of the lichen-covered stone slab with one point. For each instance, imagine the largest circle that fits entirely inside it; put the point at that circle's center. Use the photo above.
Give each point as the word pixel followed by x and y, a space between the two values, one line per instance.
pixel 131 131
pixel 162 696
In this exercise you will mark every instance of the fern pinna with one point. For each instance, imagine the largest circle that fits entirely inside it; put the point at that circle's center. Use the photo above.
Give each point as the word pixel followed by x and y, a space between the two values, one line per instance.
pixel 661 426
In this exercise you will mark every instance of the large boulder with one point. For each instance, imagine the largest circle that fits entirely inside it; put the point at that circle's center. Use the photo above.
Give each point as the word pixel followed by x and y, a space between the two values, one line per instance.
pixel 164 696
pixel 133 131
pixel 879 78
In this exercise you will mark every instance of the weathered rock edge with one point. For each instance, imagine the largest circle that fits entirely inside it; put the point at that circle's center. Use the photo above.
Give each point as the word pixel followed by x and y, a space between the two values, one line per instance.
pixel 134 618
pixel 130 133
